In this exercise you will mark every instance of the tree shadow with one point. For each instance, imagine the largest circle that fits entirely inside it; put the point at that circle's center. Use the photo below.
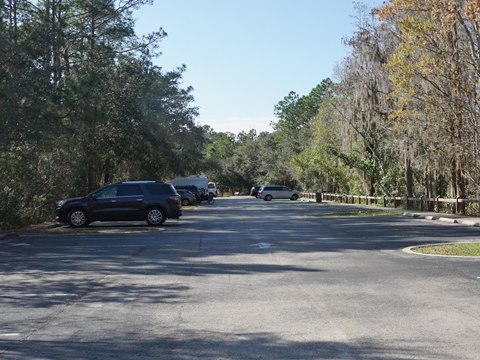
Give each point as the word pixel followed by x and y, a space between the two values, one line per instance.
pixel 51 271
pixel 189 345
pixel 293 228
pixel 33 268
pixel 118 284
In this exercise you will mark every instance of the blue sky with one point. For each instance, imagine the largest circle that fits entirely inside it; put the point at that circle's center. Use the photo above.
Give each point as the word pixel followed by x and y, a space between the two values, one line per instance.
pixel 244 56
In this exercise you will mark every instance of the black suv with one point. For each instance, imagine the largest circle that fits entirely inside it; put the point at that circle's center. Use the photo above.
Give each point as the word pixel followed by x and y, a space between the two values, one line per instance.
pixel 152 201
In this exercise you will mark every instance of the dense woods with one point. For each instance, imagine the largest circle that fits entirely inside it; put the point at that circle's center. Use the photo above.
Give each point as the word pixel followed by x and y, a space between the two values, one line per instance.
pixel 82 104
pixel 401 119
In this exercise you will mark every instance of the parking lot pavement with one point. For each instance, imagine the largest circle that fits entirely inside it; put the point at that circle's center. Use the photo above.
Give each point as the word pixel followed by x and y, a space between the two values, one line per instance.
pixel 432 216
pixel 240 279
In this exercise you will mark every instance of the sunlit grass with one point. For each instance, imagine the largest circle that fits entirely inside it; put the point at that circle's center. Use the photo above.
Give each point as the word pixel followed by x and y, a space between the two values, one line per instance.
pixel 457 249
pixel 360 213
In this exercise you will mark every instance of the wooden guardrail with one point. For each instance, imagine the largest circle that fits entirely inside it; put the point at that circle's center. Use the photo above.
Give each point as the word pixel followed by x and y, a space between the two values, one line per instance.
pixel 422 203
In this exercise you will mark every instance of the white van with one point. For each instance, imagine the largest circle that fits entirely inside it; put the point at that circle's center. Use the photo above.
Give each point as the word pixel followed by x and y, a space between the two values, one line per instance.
pixel 201 182
pixel 270 192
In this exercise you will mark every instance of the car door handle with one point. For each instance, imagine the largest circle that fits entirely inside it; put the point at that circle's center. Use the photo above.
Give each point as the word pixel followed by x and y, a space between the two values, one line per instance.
pixel 113 201
pixel 139 199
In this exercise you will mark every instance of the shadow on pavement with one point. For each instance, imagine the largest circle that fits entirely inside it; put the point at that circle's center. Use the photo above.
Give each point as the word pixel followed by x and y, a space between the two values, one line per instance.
pixel 208 345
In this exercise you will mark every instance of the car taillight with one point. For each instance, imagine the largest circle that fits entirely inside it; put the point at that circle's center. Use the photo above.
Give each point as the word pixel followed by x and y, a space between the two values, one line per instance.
pixel 176 198
pixel 260 193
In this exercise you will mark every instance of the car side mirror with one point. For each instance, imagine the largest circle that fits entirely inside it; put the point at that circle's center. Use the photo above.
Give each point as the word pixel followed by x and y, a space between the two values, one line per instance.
pixel 93 197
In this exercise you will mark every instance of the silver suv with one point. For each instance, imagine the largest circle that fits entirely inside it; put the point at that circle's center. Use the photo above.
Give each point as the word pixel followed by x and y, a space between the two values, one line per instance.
pixel 269 192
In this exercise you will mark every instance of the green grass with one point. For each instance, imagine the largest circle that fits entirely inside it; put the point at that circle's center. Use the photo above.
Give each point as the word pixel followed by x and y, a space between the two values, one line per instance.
pixel 458 249
pixel 361 213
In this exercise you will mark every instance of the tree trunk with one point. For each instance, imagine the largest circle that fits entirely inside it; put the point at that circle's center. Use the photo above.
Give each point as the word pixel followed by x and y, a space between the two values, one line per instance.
pixel 408 175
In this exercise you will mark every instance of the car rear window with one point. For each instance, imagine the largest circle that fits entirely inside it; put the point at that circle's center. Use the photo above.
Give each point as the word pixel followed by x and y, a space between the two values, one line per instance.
pixel 160 189
pixel 129 190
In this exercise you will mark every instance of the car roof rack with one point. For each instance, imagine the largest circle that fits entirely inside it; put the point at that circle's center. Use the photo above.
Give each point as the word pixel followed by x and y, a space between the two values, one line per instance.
pixel 140 181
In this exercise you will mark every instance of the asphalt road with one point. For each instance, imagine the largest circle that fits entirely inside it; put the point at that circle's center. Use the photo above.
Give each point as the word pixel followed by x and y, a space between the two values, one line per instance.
pixel 241 279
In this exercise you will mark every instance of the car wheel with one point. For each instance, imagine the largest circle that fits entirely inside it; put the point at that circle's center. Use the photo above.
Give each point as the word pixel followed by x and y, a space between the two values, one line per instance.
pixel 185 202
pixel 268 198
pixel 294 197
pixel 155 216
pixel 77 218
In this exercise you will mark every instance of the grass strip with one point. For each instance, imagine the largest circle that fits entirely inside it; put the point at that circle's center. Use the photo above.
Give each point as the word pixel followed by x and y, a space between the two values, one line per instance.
pixel 456 249
pixel 361 213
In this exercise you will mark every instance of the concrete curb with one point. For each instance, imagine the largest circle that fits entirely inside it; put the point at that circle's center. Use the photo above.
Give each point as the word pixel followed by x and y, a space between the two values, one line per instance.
pixel 470 223
pixel 412 215
pixel 409 250
pixel 450 220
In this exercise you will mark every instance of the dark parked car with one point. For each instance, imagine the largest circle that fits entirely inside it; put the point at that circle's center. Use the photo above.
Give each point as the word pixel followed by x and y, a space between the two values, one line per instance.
pixel 152 201
pixel 254 191
pixel 193 189
pixel 187 197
